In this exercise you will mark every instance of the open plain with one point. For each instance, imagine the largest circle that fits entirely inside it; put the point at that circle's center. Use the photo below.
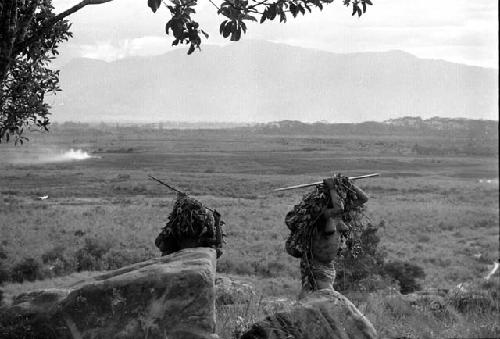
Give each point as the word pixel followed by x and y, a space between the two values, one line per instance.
pixel 436 201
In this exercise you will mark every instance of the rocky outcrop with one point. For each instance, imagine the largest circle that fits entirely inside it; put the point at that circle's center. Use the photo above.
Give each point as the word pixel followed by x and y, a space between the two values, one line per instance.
pixel 324 314
pixel 171 296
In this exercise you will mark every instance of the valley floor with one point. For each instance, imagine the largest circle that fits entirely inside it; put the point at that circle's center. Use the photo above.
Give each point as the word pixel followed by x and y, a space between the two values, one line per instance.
pixel 439 212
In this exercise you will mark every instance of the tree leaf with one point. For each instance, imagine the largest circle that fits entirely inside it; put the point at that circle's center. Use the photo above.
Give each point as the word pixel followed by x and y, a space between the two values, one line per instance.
pixel 249 17
pixel 282 17
pixel 301 9
pixel 221 28
pixel 154 5
pixel 228 29
pixel 235 36
pixel 272 11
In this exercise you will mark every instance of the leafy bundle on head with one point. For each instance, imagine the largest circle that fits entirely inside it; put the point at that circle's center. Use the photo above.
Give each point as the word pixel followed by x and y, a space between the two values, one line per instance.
pixel 190 224
pixel 303 218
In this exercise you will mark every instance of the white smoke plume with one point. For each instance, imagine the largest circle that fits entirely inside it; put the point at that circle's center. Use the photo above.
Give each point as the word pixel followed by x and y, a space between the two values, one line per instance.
pixel 72 155
pixel 45 156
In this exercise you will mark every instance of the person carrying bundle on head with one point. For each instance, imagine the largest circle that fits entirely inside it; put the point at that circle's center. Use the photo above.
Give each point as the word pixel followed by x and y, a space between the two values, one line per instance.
pixel 322 226
pixel 189 225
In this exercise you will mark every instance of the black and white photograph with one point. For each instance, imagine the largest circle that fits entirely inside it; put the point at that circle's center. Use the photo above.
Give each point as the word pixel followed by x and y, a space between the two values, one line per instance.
pixel 249 169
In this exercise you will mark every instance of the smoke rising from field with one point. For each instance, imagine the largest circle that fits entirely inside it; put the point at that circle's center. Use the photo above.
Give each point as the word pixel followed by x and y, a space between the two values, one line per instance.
pixel 73 155
pixel 46 156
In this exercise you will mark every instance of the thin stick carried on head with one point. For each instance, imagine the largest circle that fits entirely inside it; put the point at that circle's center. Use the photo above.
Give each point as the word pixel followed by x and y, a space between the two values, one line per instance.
pixel 166 185
pixel 176 190
pixel 320 182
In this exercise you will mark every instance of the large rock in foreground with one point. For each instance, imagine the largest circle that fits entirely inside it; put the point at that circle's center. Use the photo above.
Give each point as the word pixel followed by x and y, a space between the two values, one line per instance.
pixel 167 297
pixel 325 314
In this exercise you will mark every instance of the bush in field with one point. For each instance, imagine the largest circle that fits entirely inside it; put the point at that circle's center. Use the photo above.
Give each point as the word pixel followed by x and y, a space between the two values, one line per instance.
pixel 4 273
pixel 89 257
pixel 406 274
pixel 364 271
pixel 368 271
pixel 58 260
pixel 28 269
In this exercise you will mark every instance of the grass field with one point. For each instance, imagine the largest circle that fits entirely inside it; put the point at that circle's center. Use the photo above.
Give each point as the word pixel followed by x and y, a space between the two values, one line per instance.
pixel 438 211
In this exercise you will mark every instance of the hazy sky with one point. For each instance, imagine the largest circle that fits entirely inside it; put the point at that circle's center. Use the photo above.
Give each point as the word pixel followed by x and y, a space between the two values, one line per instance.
pixel 456 30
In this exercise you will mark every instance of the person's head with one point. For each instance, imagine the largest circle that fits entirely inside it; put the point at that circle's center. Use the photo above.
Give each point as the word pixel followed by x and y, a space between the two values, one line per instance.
pixel 328 239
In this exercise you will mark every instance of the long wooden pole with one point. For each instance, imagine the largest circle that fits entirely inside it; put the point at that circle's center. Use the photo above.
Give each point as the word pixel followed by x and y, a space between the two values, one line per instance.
pixel 320 182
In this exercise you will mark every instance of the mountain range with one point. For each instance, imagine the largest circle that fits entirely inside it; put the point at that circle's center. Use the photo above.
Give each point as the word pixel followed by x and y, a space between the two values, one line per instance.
pixel 257 81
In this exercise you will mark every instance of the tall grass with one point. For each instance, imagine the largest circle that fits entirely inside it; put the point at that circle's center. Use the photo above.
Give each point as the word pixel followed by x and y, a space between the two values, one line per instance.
pixel 437 214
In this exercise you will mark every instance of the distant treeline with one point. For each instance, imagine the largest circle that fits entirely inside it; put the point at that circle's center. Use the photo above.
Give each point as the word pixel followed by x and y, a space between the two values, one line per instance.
pixel 415 126
pixel 474 130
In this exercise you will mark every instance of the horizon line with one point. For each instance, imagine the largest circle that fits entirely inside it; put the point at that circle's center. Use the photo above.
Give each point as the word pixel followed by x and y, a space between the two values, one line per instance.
pixel 254 123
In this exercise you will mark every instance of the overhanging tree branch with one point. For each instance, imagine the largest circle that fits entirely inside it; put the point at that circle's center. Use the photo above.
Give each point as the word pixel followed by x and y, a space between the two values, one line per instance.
pixel 47 26
pixel 27 18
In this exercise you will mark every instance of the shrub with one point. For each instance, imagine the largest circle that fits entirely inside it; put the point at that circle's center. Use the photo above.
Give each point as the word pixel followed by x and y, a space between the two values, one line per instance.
pixel 88 258
pixel 357 273
pixel 86 262
pixel 406 274
pixel 28 269
pixel 58 260
pixel 53 254
pixel 4 273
